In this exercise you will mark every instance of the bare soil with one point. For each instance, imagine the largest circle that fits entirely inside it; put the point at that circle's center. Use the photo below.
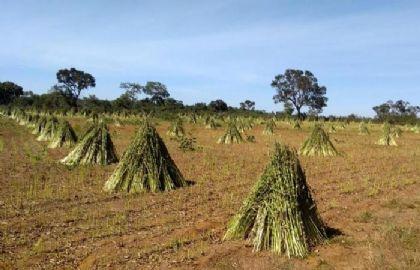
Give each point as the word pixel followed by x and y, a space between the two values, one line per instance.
pixel 53 217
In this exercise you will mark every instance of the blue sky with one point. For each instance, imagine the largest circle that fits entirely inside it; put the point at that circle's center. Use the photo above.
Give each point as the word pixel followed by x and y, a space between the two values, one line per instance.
pixel 364 52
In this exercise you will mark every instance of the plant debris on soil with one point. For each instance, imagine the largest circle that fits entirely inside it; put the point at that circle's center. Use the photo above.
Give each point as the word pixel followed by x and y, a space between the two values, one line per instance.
pixel 58 217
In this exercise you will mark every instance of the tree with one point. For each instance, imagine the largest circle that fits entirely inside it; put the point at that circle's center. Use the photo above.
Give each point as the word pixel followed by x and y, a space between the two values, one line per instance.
pixel 300 88
pixel 131 90
pixel 247 105
pixel 124 101
pixel 9 91
pixel 52 101
pixel 94 104
pixel 382 111
pixel 404 108
pixel 218 105
pixel 396 110
pixel 171 102
pixel 156 90
pixel 201 106
pixel 71 82
pixel 288 108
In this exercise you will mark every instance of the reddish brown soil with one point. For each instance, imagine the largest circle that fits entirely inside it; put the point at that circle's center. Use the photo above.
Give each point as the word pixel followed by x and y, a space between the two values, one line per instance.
pixel 52 217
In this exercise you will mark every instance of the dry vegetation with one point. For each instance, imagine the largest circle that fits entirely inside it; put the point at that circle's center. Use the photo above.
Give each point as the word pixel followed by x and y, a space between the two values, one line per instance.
pixel 54 217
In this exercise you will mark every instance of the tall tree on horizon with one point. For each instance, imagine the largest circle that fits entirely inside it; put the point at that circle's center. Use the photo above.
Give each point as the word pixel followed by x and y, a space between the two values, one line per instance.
pixel 218 105
pixel 158 91
pixel 9 91
pixel 399 109
pixel 71 82
pixel 300 88
pixel 247 105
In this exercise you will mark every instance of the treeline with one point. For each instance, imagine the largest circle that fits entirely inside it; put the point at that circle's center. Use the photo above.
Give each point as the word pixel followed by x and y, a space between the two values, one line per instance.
pixel 65 96
pixel 169 107
pixel 390 111
pixel 398 112
pixel 166 108
pixel 295 89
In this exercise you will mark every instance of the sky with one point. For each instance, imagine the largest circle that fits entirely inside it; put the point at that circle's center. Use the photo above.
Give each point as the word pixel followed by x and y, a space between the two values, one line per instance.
pixel 364 51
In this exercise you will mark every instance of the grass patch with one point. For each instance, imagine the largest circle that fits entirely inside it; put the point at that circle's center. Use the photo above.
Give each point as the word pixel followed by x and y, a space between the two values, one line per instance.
pixel 408 238
pixel 365 217
pixel 333 203
pixel 178 244
pixel 373 190
pixel 399 248
pixel 112 225
pixel 225 265
pixel 396 204
pixel 342 240
pixel 392 204
pixel 323 265
pixel 396 184
pixel 408 182
pixel 39 246
pixel 348 187
pixel 34 154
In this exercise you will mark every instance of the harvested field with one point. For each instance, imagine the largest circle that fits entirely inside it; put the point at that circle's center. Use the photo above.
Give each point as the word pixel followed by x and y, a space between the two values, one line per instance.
pixel 58 218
